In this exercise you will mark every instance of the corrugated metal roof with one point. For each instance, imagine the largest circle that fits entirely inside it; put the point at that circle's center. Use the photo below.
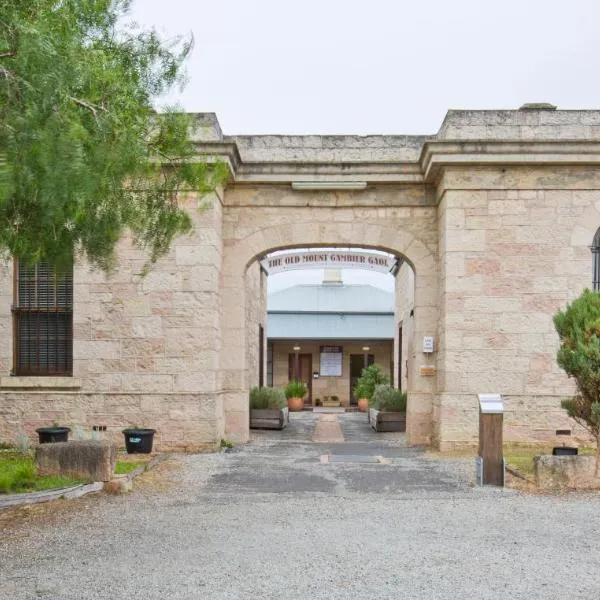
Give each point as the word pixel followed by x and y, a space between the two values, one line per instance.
pixel 329 326
pixel 332 298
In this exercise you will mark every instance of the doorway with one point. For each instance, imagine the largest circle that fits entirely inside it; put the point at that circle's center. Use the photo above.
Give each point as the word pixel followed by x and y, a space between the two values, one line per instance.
pixel 357 364
pixel 302 371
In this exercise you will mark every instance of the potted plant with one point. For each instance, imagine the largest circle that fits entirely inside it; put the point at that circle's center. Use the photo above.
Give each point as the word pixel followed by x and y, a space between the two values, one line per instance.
pixel 50 435
pixel 138 440
pixel 268 408
pixel 295 392
pixel 370 377
pixel 387 410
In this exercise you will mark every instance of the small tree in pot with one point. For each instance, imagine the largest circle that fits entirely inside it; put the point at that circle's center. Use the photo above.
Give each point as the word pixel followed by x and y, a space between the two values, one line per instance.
pixel 295 392
pixel 578 327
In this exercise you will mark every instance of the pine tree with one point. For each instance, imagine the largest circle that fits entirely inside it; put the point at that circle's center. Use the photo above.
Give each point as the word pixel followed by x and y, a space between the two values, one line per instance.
pixel 578 327
pixel 83 154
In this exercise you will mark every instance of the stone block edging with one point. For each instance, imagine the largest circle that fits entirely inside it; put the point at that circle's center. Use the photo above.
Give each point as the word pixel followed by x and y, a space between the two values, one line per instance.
pixel 76 491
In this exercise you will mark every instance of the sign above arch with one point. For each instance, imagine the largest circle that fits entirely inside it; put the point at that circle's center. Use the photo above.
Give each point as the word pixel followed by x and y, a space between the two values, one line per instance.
pixel 329 259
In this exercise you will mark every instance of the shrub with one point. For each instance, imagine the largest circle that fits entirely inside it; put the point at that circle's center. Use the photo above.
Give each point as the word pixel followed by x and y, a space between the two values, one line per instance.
pixel 371 376
pixel 295 389
pixel 266 397
pixel 388 399
pixel 578 328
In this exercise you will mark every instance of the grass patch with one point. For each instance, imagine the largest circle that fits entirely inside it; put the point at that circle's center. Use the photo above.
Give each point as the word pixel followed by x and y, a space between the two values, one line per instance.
pixel 520 457
pixel 127 466
pixel 18 474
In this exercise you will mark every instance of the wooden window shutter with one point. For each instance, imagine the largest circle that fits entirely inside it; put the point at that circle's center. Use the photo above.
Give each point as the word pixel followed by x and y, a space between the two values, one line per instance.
pixel 43 321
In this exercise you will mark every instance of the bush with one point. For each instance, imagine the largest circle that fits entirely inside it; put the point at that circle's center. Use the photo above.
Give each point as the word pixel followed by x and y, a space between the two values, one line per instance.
pixel 388 399
pixel 266 397
pixel 295 389
pixel 578 328
pixel 371 376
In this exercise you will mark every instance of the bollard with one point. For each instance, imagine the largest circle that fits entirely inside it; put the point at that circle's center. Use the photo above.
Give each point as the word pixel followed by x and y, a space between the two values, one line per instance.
pixel 490 462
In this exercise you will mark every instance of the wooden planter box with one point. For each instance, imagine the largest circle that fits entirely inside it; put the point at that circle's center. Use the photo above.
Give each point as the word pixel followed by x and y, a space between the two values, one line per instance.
pixel 269 418
pixel 332 403
pixel 387 421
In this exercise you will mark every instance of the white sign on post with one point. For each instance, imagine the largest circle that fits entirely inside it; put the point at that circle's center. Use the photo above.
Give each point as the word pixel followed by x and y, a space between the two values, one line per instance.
pixel 490 404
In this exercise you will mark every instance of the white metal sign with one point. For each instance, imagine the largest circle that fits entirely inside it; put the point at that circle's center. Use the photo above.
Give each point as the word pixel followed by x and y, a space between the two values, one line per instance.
pixel 490 403
pixel 428 344
pixel 328 259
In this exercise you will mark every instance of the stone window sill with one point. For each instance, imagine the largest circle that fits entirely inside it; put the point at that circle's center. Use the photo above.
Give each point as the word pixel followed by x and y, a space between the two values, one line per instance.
pixel 40 383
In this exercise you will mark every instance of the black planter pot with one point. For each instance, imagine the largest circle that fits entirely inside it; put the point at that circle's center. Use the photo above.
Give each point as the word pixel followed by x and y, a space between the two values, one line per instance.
pixel 49 435
pixel 564 451
pixel 139 441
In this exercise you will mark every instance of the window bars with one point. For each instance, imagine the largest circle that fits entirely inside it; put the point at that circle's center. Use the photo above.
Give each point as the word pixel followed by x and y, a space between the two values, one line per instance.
pixel 43 321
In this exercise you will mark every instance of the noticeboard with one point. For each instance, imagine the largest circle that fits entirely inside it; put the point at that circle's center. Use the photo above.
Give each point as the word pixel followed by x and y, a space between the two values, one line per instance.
pixel 331 361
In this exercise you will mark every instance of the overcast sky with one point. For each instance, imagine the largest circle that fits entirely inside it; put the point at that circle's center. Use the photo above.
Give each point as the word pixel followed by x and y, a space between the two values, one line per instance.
pixel 383 66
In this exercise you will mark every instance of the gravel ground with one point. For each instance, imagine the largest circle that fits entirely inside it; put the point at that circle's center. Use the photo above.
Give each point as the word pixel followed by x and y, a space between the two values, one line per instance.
pixel 272 520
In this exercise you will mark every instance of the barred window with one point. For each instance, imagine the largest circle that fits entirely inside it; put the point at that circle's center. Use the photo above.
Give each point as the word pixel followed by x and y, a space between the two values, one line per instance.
pixel 43 321
pixel 596 262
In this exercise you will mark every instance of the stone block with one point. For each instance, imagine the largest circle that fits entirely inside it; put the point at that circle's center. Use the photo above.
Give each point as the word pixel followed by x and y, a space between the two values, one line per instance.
pixel 94 460
pixel 565 472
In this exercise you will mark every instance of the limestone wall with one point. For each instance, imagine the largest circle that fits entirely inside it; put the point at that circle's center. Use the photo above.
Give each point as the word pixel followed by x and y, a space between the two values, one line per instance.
pixel 510 258
pixel 145 348
pixel 405 301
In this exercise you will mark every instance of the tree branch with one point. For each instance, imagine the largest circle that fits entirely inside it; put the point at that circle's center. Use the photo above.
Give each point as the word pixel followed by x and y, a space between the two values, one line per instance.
pixel 94 108
pixel 8 54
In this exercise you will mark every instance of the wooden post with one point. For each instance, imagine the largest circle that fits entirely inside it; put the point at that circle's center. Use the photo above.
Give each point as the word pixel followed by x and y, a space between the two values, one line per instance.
pixel 491 415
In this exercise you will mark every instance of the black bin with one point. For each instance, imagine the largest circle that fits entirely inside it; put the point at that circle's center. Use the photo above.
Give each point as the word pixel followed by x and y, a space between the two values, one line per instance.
pixel 139 441
pixel 564 451
pixel 50 435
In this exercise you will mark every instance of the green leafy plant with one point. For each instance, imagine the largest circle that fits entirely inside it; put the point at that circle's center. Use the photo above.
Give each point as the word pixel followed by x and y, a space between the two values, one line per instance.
pixel 226 443
pixel 371 376
pixel 388 399
pixel 578 328
pixel 295 389
pixel 18 474
pixel 266 397
pixel 84 156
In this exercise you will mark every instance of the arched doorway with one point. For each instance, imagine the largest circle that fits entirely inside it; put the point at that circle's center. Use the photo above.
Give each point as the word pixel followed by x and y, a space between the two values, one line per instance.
pixel 265 231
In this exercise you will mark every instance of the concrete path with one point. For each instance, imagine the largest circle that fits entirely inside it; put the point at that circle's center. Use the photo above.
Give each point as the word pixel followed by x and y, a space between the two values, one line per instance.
pixel 286 517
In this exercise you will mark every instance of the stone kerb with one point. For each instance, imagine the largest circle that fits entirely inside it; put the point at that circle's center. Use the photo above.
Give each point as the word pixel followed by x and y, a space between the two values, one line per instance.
pixel 558 473
pixel 91 460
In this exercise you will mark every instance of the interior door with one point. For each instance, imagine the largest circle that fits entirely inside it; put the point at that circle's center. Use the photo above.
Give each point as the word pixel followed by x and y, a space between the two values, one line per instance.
pixel 304 373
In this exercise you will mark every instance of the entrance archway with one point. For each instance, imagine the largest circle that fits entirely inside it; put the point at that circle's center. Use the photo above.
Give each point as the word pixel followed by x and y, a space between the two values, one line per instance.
pixel 252 232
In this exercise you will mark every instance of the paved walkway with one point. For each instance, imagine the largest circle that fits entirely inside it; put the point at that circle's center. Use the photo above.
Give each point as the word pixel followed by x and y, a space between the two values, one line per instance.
pixel 286 517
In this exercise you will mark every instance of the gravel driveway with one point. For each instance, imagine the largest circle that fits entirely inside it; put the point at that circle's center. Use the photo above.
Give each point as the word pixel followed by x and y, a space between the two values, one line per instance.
pixel 284 517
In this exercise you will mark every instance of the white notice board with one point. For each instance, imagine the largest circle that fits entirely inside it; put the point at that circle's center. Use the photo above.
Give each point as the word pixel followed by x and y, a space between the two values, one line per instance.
pixel 331 361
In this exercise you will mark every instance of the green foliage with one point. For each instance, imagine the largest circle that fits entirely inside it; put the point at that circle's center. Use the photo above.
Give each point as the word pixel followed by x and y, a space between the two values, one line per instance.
pixel 83 154
pixel 18 474
pixel 578 328
pixel 388 399
pixel 122 467
pixel 226 443
pixel 295 389
pixel 371 376
pixel 267 397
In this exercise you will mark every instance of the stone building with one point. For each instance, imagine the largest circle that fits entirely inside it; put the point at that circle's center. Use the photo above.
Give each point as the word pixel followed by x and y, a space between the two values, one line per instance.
pixel 324 335
pixel 494 217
